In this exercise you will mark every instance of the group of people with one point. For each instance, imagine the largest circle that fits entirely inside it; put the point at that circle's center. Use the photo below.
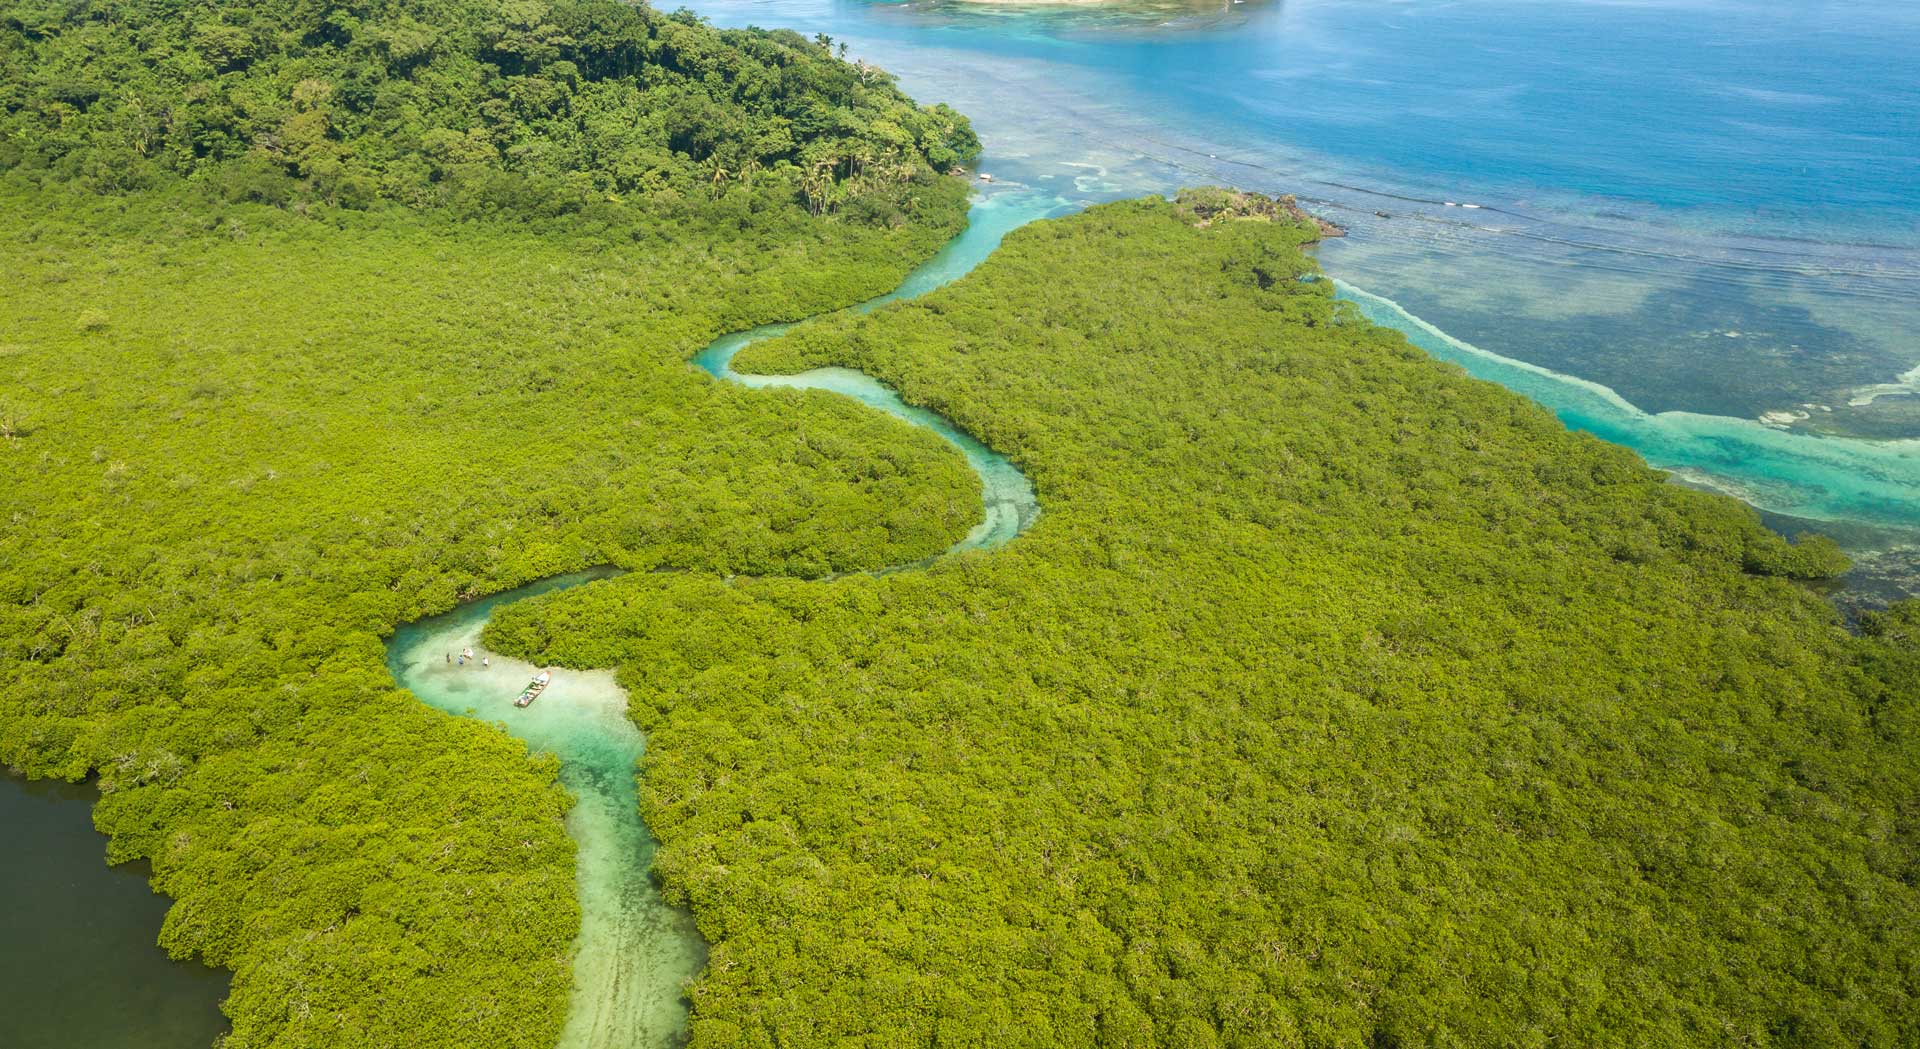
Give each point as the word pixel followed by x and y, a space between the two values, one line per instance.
pixel 466 656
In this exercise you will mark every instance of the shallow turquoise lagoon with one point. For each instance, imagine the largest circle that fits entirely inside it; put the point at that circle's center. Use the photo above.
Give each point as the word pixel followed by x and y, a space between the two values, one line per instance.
pixel 1689 226
pixel 1662 219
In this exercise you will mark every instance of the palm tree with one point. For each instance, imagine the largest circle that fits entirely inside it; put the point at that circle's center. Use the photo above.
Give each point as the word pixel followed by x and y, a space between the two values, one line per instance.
pixel 720 174
pixel 814 188
pixel 823 170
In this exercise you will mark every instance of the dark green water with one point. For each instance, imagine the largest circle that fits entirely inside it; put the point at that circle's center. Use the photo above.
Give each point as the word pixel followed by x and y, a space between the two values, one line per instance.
pixel 78 965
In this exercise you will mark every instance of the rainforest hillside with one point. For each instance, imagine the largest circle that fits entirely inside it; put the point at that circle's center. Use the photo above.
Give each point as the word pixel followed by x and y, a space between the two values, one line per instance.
pixel 321 317
pixel 570 108
pixel 1336 699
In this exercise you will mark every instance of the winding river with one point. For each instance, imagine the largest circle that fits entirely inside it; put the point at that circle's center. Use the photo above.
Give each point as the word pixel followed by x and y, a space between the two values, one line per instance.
pixel 1694 212
pixel 634 952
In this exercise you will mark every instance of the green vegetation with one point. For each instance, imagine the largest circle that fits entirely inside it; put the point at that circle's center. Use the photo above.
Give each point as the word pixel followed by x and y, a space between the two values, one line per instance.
pixel 256 456
pixel 1337 699
pixel 320 318
pixel 592 110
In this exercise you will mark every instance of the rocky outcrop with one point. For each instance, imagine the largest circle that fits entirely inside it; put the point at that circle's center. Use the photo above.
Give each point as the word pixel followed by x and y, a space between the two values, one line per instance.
pixel 1209 204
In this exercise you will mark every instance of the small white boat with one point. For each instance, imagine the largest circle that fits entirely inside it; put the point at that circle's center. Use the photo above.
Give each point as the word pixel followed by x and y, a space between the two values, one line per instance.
pixel 534 688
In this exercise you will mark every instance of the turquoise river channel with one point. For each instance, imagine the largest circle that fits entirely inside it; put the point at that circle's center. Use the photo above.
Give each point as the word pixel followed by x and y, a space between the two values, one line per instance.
pixel 635 952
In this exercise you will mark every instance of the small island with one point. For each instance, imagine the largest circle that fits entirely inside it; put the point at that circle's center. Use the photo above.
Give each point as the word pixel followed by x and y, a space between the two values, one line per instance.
pixel 1208 205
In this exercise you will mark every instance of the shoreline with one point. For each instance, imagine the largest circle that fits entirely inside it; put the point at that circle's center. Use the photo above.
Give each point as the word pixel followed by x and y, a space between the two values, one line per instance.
pixel 1727 455
pixel 1144 6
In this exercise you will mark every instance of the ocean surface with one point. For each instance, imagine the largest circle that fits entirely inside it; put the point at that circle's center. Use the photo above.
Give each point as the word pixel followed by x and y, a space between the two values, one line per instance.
pixel 1690 216
pixel 1689 226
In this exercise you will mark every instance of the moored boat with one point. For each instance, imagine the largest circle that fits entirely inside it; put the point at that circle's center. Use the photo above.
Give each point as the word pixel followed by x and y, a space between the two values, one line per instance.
pixel 534 688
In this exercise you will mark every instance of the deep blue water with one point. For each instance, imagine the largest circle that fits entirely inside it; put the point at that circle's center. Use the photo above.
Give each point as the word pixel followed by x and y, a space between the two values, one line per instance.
pixel 1693 212
pixel 1804 110
pixel 1653 170
pixel 1697 228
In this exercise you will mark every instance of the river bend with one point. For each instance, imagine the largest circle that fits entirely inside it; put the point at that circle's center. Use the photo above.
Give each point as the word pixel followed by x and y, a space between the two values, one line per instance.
pixel 635 953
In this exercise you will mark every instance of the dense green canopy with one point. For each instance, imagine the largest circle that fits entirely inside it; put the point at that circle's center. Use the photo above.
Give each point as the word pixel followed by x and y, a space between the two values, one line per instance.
pixel 529 106
pixel 232 461
pixel 318 318
pixel 1336 699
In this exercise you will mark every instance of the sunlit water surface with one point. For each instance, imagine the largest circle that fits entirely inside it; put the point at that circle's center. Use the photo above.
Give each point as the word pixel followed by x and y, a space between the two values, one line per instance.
pixel 1692 214
pixel 1689 226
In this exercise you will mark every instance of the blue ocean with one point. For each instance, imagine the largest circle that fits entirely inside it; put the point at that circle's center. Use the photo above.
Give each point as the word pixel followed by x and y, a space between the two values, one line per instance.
pixel 1687 226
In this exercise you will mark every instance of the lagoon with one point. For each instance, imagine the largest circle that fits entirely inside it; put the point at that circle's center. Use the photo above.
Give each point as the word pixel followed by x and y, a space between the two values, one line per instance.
pixel 1690 215
pixel 77 952
pixel 1669 220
